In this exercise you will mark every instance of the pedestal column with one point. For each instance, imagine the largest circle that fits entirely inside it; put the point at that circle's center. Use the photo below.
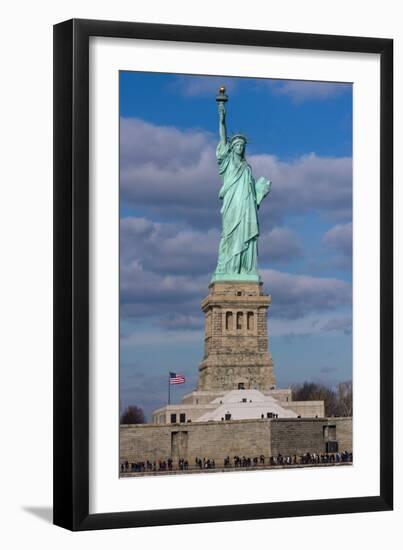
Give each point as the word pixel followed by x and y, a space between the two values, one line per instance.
pixel 236 352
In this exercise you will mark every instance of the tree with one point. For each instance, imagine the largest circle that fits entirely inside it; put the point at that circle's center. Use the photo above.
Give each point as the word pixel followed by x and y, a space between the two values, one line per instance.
pixel 310 391
pixel 132 415
pixel 338 402
pixel 345 398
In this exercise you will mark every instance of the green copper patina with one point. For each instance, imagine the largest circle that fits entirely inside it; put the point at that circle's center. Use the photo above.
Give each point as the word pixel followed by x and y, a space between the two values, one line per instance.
pixel 241 196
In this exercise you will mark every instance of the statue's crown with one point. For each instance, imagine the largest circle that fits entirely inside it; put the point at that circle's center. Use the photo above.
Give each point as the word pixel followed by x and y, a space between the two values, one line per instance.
pixel 237 137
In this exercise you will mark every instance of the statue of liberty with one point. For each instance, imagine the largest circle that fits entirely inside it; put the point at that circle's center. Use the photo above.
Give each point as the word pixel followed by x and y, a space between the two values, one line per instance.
pixel 241 196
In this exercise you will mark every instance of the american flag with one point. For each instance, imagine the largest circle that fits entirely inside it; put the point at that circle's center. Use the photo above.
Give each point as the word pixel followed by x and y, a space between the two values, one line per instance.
pixel 175 378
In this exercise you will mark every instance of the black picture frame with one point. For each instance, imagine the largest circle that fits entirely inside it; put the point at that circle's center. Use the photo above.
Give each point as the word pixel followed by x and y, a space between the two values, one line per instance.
pixel 72 285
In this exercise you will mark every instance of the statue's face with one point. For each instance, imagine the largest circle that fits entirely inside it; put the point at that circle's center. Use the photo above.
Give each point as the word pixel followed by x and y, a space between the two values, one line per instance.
pixel 239 147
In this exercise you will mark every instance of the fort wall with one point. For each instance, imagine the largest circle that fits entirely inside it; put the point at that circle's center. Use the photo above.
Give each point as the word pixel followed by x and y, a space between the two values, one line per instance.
pixel 216 440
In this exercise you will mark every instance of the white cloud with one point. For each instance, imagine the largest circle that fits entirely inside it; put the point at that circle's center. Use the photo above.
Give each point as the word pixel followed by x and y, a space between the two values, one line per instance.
pixel 278 245
pixel 174 173
pixel 170 248
pixel 307 184
pixel 300 91
pixel 340 239
pixel 295 296
pixel 145 294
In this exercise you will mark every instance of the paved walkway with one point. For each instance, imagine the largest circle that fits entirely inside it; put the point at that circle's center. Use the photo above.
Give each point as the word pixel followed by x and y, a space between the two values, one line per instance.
pixel 197 470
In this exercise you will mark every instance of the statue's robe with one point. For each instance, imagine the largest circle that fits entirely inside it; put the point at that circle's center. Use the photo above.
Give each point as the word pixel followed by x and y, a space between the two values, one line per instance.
pixel 240 227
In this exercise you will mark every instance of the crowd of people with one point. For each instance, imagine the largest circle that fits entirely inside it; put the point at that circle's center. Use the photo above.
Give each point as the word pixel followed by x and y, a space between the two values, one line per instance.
pixel 155 466
pixel 243 462
pixel 169 465
pixel 311 458
pixel 205 463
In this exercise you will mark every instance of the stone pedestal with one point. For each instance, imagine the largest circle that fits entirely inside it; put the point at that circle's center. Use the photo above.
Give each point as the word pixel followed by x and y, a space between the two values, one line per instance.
pixel 236 354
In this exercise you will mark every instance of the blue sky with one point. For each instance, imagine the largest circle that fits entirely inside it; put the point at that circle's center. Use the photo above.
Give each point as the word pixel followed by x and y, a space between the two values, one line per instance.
pixel 300 137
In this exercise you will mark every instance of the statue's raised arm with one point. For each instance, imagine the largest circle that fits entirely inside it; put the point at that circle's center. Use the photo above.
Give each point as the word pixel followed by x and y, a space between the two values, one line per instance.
pixel 221 99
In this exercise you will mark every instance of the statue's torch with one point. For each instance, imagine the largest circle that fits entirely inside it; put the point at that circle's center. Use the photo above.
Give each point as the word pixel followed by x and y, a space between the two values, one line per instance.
pixel 222 96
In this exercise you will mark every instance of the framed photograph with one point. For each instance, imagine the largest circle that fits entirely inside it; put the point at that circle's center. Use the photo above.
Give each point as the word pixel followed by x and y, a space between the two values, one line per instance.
pixel 223 274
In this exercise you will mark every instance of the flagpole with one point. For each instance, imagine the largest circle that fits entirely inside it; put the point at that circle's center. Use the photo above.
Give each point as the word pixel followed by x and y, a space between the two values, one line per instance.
pixel 169 388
